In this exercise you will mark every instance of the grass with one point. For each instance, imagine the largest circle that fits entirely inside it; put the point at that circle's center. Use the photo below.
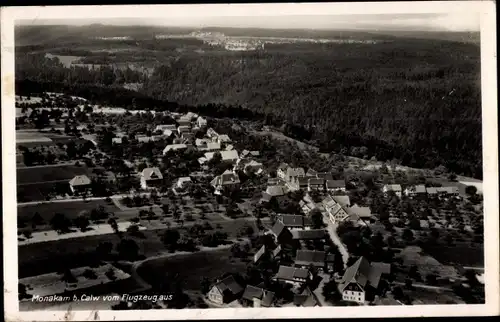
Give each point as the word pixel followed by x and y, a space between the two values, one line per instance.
pixel 463 254
pixel 52 173
pixel 192 268
pixel 71 210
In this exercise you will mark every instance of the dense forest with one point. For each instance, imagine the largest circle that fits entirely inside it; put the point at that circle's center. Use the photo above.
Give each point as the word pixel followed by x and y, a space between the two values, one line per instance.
pixel 416 101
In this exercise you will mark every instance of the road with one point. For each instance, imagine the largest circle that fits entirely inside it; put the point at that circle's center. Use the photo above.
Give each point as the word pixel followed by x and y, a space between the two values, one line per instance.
pixel 29 203
pixel 427 287
pixel 332 231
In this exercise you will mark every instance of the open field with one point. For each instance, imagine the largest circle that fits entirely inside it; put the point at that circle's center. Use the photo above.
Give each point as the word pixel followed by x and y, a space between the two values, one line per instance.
pixel 70 209
pixel 42 258
pixel 191 268
pixel 42 174
pixel 463 254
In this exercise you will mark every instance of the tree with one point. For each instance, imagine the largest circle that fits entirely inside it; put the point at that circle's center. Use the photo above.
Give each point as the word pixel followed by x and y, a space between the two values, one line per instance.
pixel 128 249
pixel 331 292
pixel 471 190
pixel 114 225
pixel 205 285
pixel 82 223
pixel 170 238
pixel 89 274
pixel 317 219
pixel 104 249
pixel 37 219
pixel 415 223
pixel 408 235
pixel 110 273
pixel 68 276
pixel 60 223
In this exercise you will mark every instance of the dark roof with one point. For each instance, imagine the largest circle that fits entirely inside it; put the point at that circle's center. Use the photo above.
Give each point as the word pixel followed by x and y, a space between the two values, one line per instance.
pixel 278 228
pixel 303 181
pixel 316 181
pixel 229 285
pixel 292 220
pixel 362 272
pixel 252 292
pixel 291 273
pixel 276 191
pixel 344 201
pixel 268 299
pixel 266 197
pixel 311 172
pixel 276 251
pixel 308 234
pixel 307 257
pixel 335 184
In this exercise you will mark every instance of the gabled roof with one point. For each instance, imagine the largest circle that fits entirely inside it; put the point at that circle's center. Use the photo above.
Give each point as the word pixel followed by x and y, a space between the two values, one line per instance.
pixel 308 257
pixel 174 147
pixel 292 220
pixel 229 285
pixel 276 191
pixel 251 292
pixel 255 153
pixel 305 299
pixel 431 190
pixel 277 251
pixel 308 234
pixel 335 184
pixel 344 201
pixel 151 174
pixel 163 127
pixel 325 175
pixel 311 172
pixel 316 181
pixel 229 177
pixel 283 166
pixel 291 273
pixel 259 254
pixel 417 189
pixel 229 147
pixel 362 212
pixel 224 138
pixel 449 190
pixel 295 172
pixel 278 228
pixel 116 140
pixel 393 187
pixel 213 146
pixel 81 180
pixel 362 272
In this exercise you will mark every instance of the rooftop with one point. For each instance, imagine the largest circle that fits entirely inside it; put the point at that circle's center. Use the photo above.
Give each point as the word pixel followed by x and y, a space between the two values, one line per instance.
pixel 81 180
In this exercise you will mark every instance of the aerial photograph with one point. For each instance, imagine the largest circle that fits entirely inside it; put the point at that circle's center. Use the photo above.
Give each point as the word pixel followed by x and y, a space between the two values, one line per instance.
pixel 260 161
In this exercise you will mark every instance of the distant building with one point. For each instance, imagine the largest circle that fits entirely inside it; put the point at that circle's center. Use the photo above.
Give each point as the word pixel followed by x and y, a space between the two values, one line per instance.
pixel 225 291
pixel 413 191
pixel 335 185
pixel 257 297
pixel 311 234
pixel 182 182
pixel 282 170
pixel 292 177
pixel 201 122
pixel 319 259
pixel 183 129
pixel 226 156
pixel 253 167
pixel 295 221
pixel 315 184
pixel 164 127
pixel 116 141
pixel 212 134
pixel 281 234
pixel 396 188
pixel 228 181
pixel 305 299
pixel 361 278
pixel 223 138
pixel 324 175
pixel 307 204
pixel 79 184
pixel 293 275
pixel 174 147
pixel 151 177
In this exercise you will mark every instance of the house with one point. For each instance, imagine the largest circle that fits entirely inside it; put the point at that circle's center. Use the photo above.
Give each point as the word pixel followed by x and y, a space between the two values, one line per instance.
pixel 363 213
pixel 201 122
pixel 447 191
pixel 253 167
pixel 223 138
pixel 311 234
pixel 292 175
pixel 316 184
pixel 432 191
pixel 182 129
pixel 319 259
pixel 184 122
pixel 187 136
pixel 79 184
pixel 257 297
pixel 165 127
pixel 360 279
pixel 142 138
pixel 307 204
pixel 281 234
pixel 344 201
pixel 276 251
pixel 116 141
pixel 295 221
pixel 228 181
pixel 207 145
pixel 305 299
pixel 226 156
pixel 293 275
pixel 229 147
pixel 182 182
pixel 276 191
pixel 225 291
pixel 395 188
pixel 151 177
pixel 335 185
pixel 311 173
pixel 212 134
pixel 244 153
pixel 259 254
pixel 174 147
pixel 413 191
pixel 303 183
pixel 282 170
pixel 336 211
pixel 201 143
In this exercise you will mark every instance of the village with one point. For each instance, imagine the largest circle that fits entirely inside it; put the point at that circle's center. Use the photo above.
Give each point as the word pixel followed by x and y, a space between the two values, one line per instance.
pixel 311 230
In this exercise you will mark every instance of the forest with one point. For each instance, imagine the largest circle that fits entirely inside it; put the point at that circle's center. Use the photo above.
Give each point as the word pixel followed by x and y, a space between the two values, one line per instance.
pixel 415 101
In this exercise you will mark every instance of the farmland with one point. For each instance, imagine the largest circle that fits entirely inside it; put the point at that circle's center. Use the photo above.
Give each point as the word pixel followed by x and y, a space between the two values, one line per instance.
pixel 26 176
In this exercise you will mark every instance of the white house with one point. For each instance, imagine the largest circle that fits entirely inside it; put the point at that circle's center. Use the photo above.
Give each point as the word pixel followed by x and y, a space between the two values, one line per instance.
pixel 293 275
pixel 225 291
pixel 79 184
pixel 150 178
pixel 174 147
pixel 413 191
pixel 396 188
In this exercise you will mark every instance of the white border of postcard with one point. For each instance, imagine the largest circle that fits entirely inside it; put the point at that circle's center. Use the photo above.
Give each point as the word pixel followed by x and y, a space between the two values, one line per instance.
pixel 486 10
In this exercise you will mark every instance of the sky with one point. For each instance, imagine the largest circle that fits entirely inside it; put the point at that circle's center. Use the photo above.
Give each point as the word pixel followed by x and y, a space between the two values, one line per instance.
pixel 311 18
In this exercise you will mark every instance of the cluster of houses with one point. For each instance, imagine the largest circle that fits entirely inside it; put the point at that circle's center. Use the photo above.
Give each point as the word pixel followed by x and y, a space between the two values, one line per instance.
pixel 420 191
pixel 339 208
pixel 297 179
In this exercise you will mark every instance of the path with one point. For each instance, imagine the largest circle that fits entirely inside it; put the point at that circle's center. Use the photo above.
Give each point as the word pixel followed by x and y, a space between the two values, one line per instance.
pixel 428 287
pixel 119 196
pixel 332 231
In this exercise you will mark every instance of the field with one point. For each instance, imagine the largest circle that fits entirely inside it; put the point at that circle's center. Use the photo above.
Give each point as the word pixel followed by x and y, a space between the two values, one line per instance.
pixel 463 254
pixel 42 258
pixel 70 209
pixel 191 268
pixel 33 175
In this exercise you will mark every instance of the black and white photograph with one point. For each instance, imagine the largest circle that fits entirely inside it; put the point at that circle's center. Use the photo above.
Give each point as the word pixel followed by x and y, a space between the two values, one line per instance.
pixel 293 160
